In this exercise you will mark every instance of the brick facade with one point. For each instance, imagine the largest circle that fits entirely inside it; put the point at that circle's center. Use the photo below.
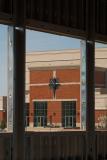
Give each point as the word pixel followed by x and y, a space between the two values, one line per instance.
pixel 69 90
pixel 2 116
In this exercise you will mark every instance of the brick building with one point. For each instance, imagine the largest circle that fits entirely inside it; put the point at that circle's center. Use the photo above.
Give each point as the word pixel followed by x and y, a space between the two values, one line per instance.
pixel 3 106
pixel 53 88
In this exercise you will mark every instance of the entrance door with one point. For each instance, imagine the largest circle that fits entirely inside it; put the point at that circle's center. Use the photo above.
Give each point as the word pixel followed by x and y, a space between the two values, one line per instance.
pixel 40 114
pixel 68 121
pixel 40 121
pixel 69 114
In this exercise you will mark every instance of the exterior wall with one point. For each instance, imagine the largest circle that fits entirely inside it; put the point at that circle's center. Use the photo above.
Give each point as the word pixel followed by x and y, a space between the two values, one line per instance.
pixel 69 89
pixel 37 77
pixel 2 116
pixel 3 108
pixel 54 113
pixel 68 74
pixel 42 68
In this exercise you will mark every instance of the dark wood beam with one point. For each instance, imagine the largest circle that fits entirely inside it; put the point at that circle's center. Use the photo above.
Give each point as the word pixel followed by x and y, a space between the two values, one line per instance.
pixel 90 94
pixel 19 82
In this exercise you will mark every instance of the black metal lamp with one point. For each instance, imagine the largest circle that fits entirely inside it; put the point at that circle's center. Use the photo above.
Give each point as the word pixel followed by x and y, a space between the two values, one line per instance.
pixel 54 84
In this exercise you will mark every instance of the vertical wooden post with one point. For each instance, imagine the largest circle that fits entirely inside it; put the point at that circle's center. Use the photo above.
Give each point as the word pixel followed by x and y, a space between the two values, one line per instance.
pixel 90 58
pixel 19 82
pixel 90 64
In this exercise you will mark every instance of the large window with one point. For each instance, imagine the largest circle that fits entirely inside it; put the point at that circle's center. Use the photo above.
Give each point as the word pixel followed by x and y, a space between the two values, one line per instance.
pixel 101 86
pixel 55 73
pixel 6 78
pixel 40 114
pixel 69 114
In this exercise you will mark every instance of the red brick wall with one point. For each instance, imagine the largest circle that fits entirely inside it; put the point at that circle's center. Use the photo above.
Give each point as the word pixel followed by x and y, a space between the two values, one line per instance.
pixel 40 76
pixel 2 115
pixel 40 92
pixel 54 110
pixel 71 91
pixel 68 75
pixel 68 91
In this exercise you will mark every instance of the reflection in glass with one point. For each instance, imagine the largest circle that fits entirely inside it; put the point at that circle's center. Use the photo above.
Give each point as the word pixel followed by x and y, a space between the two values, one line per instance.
pixel 3 78
pixel 101 86
pixel 53 82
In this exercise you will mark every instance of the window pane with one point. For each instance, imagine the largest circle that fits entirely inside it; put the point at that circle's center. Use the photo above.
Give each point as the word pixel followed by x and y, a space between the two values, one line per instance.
pixel 6 90
pixel 53 82
pixel 6 79
pixel 101 86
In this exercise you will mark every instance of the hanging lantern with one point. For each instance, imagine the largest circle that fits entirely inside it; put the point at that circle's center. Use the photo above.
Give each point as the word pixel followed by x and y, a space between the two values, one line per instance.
pixel 54 84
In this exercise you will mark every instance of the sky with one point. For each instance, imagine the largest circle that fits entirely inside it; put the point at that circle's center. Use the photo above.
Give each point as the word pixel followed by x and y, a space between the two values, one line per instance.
pixel 40 41
pixel 3 60
pixel 35 41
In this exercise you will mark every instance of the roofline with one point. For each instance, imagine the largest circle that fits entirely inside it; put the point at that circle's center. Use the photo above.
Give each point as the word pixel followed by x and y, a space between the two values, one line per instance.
pixel 60 51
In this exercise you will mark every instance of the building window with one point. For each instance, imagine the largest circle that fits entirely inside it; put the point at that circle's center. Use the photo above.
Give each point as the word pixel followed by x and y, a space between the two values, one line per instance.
pixel 40 114
pixel 69 114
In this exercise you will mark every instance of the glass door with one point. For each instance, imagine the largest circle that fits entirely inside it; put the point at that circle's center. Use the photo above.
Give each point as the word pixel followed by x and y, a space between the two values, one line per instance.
pixel 40 121
pixel 69 114
pixel 40 114
pixel 68 121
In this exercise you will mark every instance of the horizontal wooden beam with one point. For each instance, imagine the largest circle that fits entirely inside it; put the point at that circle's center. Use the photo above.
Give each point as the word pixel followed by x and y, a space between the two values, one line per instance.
pixel 55 29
